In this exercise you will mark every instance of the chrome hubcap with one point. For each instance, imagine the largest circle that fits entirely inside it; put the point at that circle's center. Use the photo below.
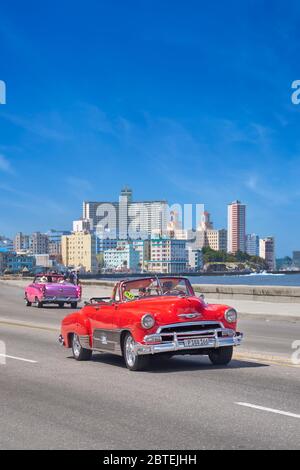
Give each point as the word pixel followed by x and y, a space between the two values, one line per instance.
pixel 130 351
pixel 76 346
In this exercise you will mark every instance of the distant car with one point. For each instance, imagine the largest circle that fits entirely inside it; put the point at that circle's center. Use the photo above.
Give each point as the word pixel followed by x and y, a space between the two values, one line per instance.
pixel 52 289
pixel 152 316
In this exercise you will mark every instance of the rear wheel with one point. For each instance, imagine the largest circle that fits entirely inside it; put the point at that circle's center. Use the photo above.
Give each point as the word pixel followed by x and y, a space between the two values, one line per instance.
pixel 28 304
pixel 73 304
pixel 80 353
pixel 38 303
pixel 61 304
pixel 132 360
pixel 221 356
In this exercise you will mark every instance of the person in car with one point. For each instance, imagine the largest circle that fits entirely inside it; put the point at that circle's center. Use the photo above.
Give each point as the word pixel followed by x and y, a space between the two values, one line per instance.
pixel 167 287
pixel 143 292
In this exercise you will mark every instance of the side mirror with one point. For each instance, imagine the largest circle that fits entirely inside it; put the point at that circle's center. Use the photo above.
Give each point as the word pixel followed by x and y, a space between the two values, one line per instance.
pixel 202 297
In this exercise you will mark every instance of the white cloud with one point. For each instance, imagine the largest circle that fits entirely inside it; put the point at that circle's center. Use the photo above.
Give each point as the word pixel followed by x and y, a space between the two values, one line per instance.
pixel 5 165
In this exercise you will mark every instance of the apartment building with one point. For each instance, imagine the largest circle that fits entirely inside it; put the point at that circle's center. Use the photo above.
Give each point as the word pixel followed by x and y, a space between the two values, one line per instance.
pixel 39 243
pixel 236 227
pixel 168 255
pixel 122 258
pixel 79 251
pixel 267 251
pixel 252 244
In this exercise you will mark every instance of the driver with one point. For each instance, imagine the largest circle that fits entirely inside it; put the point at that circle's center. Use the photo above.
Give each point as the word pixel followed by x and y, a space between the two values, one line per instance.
pixel 167 287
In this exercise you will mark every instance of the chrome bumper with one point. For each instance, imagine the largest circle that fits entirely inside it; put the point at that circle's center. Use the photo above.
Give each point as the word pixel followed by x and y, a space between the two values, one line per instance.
pixel 178 343
pixel 60 299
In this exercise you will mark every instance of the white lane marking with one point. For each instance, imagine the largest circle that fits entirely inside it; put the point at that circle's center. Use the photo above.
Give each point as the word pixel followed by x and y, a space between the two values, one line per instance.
pixel 18 358
pixel 270 410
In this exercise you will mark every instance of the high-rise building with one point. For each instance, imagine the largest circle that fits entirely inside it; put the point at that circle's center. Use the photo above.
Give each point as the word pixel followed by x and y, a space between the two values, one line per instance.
pixel 126 218
pixel 267 251
pixel 252 244
pixel 79 251
pixel 39 243
pixel 236 227
pixel 21 242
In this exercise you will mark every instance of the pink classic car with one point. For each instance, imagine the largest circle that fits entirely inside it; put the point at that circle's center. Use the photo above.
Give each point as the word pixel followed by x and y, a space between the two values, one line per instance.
pixel 52 289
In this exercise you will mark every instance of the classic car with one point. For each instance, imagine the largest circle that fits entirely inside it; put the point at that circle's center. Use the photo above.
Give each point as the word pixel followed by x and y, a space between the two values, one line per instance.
pixel 52 289
pixel 152 316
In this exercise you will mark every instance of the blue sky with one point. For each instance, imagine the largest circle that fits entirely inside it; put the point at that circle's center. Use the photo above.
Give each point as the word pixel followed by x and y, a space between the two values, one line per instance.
pixel 185 101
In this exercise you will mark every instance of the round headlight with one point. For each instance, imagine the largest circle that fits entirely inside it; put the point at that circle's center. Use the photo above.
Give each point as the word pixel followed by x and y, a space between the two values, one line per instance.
pixel 147 321
pixel 231 315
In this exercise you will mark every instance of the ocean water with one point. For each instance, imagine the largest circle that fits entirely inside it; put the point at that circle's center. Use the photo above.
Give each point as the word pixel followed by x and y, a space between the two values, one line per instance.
pixel 292 280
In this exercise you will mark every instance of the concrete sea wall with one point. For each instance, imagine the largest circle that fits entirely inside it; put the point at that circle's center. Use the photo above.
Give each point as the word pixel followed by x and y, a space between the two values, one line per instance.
pixel 219 291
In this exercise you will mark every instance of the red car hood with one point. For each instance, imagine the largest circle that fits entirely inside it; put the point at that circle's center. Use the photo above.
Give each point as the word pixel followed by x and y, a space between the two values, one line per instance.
pixel 167 310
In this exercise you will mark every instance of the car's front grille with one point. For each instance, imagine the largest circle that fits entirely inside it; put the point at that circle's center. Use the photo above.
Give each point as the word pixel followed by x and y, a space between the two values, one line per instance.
pixel 190 330
pixel 190 327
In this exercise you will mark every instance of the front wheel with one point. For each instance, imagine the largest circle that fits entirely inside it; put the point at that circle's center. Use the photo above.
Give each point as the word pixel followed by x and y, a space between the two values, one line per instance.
pixel 221 356
pixel 80 353
pixel 28 304
pixel 132 360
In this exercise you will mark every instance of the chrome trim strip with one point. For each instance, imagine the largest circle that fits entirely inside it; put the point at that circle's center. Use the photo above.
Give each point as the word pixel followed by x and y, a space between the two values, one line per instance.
pixel 61 299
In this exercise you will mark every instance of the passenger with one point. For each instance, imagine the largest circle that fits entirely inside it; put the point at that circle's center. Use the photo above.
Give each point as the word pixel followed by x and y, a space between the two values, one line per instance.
pixel 167 287
pixel 142 292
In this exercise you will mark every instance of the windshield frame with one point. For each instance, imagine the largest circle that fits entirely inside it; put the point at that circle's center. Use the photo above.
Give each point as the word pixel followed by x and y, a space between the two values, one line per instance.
pixel 159 280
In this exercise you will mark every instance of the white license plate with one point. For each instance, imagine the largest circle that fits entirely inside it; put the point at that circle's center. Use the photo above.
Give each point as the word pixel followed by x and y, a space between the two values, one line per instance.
pixel 191 343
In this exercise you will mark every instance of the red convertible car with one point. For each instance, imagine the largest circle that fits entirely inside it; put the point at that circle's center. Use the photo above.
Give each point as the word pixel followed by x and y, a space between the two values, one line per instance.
pixel 152 316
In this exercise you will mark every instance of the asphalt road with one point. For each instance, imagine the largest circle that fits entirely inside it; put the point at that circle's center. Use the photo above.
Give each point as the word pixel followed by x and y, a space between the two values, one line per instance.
pixel 50 401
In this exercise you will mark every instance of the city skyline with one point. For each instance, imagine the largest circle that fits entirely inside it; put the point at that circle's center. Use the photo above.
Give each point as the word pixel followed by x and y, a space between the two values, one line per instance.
pixel 88 221
pixel 170 127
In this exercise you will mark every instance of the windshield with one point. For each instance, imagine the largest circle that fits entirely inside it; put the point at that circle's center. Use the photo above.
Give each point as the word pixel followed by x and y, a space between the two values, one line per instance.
pixel 46 279
pixel 150 287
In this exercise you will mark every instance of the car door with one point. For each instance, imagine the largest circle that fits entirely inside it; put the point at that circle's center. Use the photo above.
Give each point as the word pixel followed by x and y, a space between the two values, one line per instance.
pixel 104 327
